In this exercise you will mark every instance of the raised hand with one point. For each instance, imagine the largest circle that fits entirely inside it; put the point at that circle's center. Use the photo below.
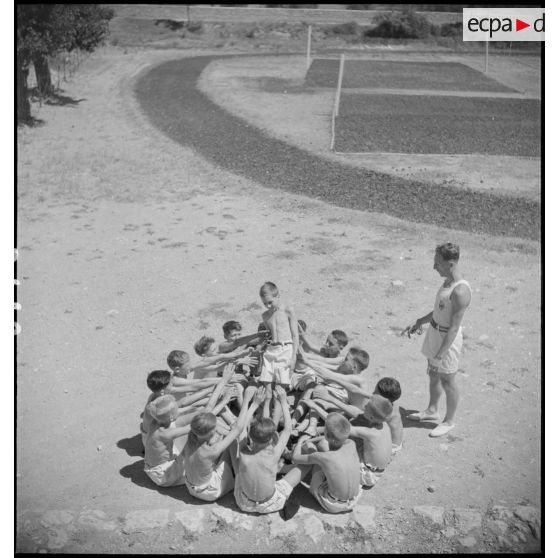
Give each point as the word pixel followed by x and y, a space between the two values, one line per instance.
pixel 250 392
pixel 280 393
pixel 228 371
pixel 320 392
pixel 250 361
pixel 411 329
pixel 260 396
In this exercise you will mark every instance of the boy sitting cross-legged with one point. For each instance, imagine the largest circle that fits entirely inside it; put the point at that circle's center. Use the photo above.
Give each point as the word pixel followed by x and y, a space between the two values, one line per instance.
pixel 161 465
pixel 158 382
pixel 207 461
pixel 256 488
pixel 391 390
pixel 336 473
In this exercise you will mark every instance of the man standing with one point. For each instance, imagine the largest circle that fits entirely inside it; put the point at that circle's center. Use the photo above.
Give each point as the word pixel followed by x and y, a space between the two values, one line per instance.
pixel 443 341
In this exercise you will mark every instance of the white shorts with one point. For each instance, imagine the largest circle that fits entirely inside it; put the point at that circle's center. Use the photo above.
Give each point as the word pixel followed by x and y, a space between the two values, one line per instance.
pixel 369 475
pixel 220 483
pixel 320 491
pixel 276 503
pixel 276 360
pixel 169 473
pixel 432 343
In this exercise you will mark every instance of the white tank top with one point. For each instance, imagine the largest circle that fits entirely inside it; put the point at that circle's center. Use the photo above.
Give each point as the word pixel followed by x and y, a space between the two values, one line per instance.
pixel 442 306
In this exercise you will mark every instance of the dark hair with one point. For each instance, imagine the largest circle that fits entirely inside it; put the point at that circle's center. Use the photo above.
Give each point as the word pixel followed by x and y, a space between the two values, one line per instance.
pixel 360 358
pixel 341 337
pixel 177 359
pixel 231 326
pixel 203 344
pixel 262 327
pixel 302 325
pixel 448 251
pixel 329 352
pixel 158 380
pixel 269 287
pixel 388 388
pixel 262 430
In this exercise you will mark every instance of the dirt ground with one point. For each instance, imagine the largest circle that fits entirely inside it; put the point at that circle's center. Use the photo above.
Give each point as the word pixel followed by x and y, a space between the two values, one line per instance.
pixel 131 246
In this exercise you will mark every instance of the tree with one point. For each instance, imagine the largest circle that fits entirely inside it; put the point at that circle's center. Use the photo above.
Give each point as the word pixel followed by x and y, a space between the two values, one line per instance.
pixel 43 30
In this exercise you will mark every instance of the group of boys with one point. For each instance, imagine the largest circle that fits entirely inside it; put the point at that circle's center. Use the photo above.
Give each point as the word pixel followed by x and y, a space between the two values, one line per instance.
pixel 258 414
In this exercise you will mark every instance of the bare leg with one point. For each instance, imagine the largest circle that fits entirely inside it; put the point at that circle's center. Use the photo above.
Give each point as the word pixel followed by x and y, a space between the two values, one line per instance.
pixel 449 385
pixel 435 392
pixel 228 416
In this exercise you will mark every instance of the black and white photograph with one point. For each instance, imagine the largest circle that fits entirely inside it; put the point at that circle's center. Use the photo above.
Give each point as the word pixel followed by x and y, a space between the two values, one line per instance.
pixel 278 278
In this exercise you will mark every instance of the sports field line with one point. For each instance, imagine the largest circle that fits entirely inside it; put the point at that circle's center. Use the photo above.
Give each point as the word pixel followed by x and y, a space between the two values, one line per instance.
pixel 433 92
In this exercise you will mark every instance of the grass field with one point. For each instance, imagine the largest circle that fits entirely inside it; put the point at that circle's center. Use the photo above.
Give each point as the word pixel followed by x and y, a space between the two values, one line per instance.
pixel 438 124
pixel 444 76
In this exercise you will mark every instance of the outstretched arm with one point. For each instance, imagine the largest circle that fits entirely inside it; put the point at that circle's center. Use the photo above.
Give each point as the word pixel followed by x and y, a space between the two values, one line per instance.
pixel 187 385
pixel 293 323
pixel 228 373
pixel 286 432
pixel 196 396
pixel 350 410
pixel 350 383
pixel 415 328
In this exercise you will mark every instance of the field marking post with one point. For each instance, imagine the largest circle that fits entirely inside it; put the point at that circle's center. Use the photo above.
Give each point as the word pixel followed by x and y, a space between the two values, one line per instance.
pixel 486 57
pixel 339 82
pixel 309 42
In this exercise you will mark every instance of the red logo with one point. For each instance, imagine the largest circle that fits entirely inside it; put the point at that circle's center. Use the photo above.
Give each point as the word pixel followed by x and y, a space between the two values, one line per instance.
pixel 519 25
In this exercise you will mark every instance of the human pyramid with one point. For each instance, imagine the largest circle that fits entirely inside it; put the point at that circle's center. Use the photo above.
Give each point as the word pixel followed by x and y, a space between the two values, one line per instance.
pixel 260 413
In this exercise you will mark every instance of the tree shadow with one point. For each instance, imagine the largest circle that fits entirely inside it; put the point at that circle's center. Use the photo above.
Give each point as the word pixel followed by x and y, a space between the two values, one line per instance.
pixel 408 423
pixel 31 122
pixel 58 100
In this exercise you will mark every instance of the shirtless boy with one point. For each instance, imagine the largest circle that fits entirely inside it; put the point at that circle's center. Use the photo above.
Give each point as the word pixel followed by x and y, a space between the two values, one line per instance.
pixel 391 390
pixel 212 362
pixel 207 461
pixel 161 466
pixel 256 489
pixel 158 382
pixel 336 473
pixel 279 357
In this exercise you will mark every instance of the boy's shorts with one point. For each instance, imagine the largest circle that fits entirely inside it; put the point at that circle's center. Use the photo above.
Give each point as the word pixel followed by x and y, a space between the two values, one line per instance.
pixel 170 473
pixel 276 503
pixel 369 475
pixel 319 489
pixel 276 360
pixel 220 483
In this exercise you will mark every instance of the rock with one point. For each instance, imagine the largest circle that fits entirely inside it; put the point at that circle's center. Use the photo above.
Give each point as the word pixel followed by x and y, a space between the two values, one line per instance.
pixel 364 517
pixel 57 538
pixel 247 524
pixel 278 527
pixel 193 521
pixel 99 448
pixel 112 312
pixel 146 519
pixel 433 513
pixel 497 526
pixel 397 283
pixel 501 512
pixel 96 519
pixel 224 514
pixel 466 520
pixel 444 447
pixel 449 532
pixel 431 488
pixel 313 528
pixel 57 517
pixel 468 541
pixel 528 514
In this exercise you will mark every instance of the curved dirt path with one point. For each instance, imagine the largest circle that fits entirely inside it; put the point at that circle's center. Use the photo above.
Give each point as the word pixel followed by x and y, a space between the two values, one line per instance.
pixel 170 98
